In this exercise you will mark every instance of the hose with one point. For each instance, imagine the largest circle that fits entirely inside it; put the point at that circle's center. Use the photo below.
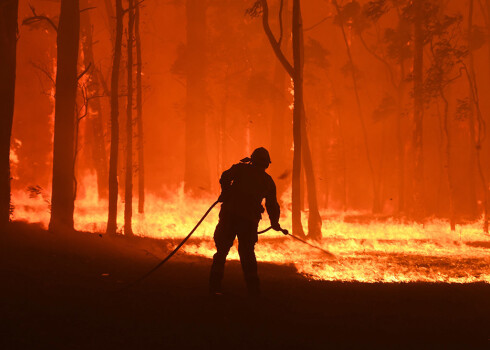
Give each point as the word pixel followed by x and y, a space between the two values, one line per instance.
pixel 175 250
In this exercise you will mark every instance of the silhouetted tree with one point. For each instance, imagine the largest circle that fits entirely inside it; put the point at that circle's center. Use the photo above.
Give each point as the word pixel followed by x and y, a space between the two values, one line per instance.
pixel 114 152
pixel 62 199
pixel 139 113
pixel 128 196
pixel 95 126
pixel 280 116
pixel 477 127
pixel 8 41
pixel 444 70
pixel 300 137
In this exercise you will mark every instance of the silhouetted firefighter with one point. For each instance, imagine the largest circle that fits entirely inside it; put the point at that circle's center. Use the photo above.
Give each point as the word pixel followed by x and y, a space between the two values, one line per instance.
pixel 243 187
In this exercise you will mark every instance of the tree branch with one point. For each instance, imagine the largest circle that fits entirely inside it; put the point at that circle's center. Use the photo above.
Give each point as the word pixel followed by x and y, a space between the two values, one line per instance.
pixel 316 24
pixel 280 23
pixel 87 9
pixel 274 43
pixel 84 71
pixel 38 18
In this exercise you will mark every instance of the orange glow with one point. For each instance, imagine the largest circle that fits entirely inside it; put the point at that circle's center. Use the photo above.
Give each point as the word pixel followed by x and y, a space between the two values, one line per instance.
pixel 374 252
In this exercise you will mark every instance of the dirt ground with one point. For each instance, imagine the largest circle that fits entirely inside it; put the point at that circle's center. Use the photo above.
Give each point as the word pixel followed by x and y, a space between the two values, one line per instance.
pixel 64 292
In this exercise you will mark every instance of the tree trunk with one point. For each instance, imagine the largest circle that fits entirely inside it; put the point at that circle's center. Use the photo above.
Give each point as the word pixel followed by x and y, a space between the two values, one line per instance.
pixel 139 115
pixel 114 152
pixel 110 19
pixel 95 125
pixel 418 112
pixel 400 143
pixel 62 199
pixel 128 193
pixel 297 116
pixel 8 41
pixel 314 218
pixel 448 164
pixel 196 173
pixel 280 142
pixel 477 128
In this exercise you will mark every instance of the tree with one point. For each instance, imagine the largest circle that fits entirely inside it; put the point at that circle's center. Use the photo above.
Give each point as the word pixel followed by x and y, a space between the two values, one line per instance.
pixel 128 195
pixel 300 136
pixel 196 172
pixel 95 127
pixel 139 113
pixel 8 43
pixel 477 127
pixel 280 140
pixel 114 152
pixel 444 71
pixel 63 197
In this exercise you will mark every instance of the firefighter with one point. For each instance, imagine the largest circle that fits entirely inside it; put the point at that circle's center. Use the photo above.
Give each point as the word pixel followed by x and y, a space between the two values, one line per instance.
pixel 243 187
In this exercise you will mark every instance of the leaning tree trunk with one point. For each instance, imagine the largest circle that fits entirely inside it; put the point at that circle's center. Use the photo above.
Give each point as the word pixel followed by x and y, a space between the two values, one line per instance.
pixel 418 112
pixel 8 41
pixel 62 198
pixel 196 172
pixel 139 114
pixel 280 138
pixel 114 153
pixel 128 193
pixel 314 218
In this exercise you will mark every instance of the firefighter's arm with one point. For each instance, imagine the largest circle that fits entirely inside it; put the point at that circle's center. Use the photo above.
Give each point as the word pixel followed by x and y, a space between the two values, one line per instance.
pixel 273 208
pixel 225 181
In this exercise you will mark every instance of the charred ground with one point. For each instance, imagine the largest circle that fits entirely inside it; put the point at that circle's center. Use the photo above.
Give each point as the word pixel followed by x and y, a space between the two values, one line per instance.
pixel 63 291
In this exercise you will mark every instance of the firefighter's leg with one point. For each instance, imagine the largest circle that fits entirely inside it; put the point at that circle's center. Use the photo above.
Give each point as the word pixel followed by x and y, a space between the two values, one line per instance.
pixel 223 238
pixel 246 245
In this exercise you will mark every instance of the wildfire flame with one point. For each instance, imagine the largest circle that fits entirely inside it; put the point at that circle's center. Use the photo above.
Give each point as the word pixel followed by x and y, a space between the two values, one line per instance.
pixel 373 252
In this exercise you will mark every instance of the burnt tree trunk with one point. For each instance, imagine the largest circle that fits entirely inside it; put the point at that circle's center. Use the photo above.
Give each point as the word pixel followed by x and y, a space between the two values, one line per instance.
pixel 139 115
pixel 114 152
pixel 8 41
pixel 128 193
pixel 196 172
pixel 418 111
pixel 62 198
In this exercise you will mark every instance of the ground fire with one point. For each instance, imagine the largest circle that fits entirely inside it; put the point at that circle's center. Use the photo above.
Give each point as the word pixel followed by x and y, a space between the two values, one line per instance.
pixel 121 119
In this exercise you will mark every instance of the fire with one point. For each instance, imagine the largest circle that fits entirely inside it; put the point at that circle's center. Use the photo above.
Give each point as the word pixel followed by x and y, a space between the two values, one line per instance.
pixel 373 252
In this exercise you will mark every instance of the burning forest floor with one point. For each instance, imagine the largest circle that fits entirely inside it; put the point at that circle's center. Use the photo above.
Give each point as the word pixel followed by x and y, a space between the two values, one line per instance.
pixel 64 291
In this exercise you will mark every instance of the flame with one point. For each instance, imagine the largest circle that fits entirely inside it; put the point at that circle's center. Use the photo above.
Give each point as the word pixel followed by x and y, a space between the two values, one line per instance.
pixel 373 252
